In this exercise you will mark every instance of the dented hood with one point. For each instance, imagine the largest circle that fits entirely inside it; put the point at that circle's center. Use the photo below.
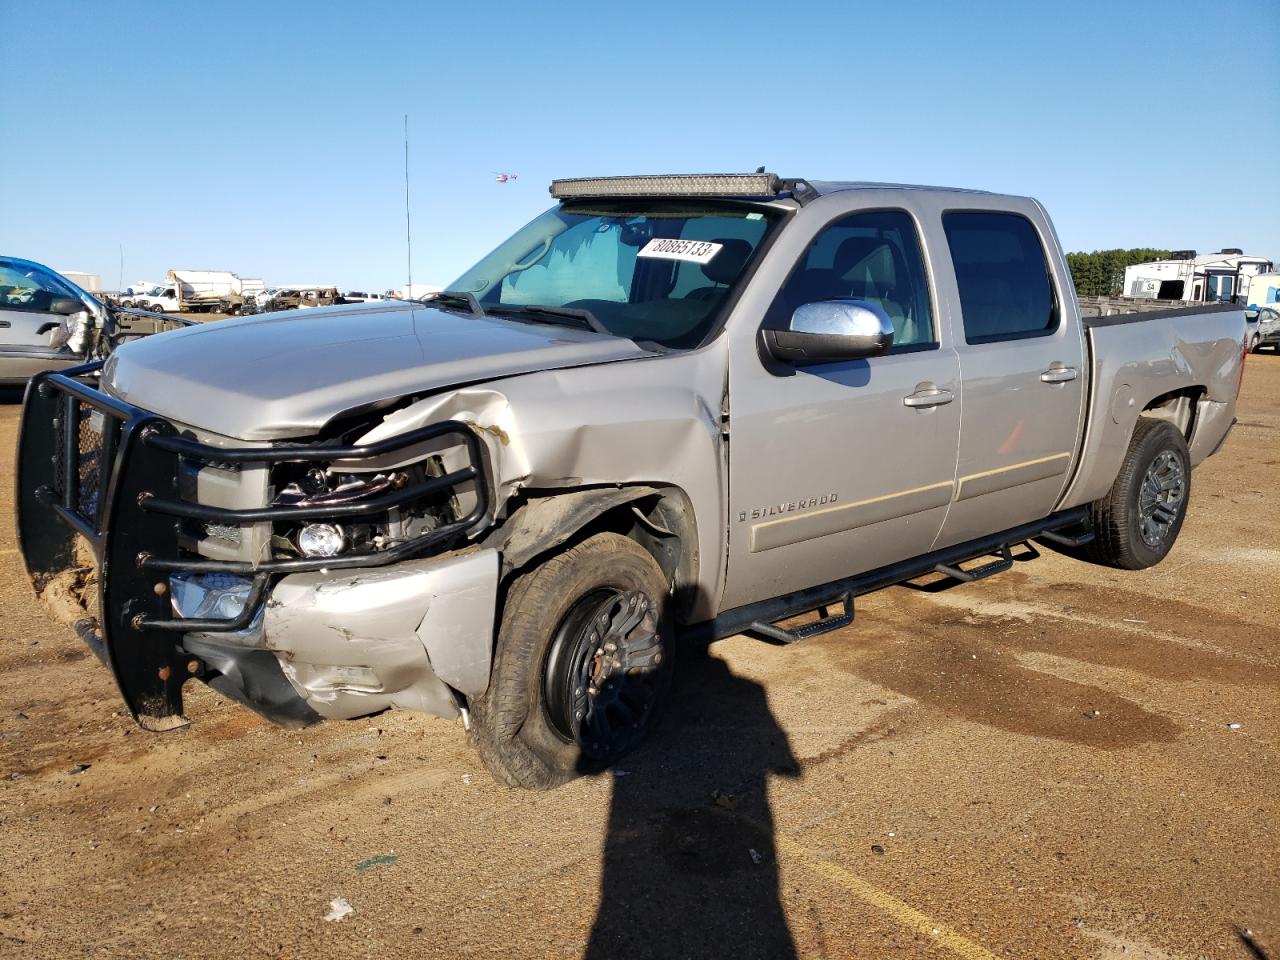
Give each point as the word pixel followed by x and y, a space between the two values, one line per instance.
pixel 286 374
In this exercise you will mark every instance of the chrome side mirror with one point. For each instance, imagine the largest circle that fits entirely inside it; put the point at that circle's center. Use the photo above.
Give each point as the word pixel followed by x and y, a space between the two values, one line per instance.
pixel 832 330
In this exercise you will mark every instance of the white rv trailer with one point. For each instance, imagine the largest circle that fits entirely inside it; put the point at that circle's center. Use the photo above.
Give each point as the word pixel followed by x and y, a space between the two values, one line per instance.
pixel 1263 291
pixel 1213 277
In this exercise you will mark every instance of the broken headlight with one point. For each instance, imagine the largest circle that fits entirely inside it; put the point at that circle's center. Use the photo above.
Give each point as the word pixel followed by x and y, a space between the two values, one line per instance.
pixel 312 487
pixel 217 596
pixel 318 488
pixel 72 332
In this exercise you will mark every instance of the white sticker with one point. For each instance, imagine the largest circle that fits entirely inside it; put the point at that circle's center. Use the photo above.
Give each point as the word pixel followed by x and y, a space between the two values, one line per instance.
pixel 695 251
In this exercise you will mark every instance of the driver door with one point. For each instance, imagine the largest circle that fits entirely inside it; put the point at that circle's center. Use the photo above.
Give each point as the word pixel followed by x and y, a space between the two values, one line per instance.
pixel 838 468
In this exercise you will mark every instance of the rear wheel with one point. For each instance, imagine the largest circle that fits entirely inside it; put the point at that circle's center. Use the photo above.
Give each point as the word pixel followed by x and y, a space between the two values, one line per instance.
pixel 1136 524
pixel 582 665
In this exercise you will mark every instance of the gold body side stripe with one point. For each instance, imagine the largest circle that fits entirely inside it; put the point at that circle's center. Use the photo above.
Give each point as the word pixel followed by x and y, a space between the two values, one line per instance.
pixel 1014 475
pixel 848 516
pixel 784 531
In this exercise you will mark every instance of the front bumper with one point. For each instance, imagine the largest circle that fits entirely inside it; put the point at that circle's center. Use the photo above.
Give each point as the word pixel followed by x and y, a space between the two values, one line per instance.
pixel 93 470
pixel 411 636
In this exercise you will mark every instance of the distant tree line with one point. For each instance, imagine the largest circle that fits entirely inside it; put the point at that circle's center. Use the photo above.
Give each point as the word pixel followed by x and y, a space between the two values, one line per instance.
pixel 1101 273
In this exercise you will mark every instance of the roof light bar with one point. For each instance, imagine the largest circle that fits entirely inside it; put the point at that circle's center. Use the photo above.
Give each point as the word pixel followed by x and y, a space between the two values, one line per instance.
pixel 673 185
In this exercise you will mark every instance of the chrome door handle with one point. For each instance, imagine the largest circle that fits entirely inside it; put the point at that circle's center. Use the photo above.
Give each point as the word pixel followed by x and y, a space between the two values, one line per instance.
pixel 1059 374
pixel 928 398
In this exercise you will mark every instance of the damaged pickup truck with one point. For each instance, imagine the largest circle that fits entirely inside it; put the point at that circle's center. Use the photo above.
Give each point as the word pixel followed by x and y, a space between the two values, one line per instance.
pixel 668 407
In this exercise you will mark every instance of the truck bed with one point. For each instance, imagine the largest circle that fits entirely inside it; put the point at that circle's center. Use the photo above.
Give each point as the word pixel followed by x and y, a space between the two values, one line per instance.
pixel 1108 311
pixel 1143 361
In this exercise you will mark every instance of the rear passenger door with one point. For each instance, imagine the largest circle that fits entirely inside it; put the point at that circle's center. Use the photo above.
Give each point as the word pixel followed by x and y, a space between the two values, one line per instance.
pixel 1022 370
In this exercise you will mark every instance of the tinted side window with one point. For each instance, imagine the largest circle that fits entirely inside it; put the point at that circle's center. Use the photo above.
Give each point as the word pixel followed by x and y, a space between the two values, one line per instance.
pixel 866 256
pixel 1002 276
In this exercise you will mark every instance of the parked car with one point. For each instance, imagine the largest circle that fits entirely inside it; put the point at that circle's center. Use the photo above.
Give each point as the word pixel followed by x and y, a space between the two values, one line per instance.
pixel 49 323
pixel 668 407
pixel 318 297
pixel 294 298
pixel 1268 329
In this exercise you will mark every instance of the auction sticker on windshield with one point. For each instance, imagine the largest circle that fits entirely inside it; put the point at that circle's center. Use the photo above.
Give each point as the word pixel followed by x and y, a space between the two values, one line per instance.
pixel 695 251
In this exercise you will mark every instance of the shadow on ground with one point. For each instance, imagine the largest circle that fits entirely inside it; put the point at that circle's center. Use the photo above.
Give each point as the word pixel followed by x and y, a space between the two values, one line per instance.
pixel 689 862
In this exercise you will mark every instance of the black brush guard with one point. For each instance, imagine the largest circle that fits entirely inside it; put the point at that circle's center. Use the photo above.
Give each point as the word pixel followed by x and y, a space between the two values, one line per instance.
pixel 92 466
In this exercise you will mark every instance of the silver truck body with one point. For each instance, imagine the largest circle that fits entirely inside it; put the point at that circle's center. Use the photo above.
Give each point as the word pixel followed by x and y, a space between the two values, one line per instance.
pixel 768 484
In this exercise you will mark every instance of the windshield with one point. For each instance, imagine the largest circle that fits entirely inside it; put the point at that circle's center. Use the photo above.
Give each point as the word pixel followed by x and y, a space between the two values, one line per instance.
pixel 647 270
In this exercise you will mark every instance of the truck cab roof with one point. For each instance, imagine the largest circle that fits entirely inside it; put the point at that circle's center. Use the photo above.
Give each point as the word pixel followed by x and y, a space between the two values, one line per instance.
pixel 758 186
pixel 825 187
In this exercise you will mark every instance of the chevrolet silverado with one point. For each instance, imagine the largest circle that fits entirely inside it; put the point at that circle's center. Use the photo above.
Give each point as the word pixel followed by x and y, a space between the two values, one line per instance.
pixel 669 407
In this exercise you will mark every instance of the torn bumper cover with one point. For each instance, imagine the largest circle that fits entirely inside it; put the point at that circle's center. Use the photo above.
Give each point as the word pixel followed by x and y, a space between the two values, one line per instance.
pixel 349 645
pixel 295 639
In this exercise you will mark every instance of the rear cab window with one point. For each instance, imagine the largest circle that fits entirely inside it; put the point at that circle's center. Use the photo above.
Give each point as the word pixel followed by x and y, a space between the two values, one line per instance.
pixel 1002 276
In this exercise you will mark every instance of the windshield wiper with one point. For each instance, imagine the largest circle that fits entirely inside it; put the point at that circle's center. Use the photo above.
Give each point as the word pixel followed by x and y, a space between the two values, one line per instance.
pixel 456 298
pixel 581 318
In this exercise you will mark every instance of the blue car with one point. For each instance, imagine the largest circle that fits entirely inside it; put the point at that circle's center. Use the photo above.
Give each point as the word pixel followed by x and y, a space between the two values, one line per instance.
pixel 49 323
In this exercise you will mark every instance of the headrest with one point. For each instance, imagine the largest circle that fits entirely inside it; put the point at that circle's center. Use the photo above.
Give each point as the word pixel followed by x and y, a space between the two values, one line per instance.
pixel 728 262
pixel 854 251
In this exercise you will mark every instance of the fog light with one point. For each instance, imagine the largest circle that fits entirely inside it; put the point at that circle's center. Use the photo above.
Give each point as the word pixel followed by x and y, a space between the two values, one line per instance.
pixel 217 596
pixel 321 540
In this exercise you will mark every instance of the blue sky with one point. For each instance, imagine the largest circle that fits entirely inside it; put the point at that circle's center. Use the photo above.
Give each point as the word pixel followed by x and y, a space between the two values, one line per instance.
pixel 266 138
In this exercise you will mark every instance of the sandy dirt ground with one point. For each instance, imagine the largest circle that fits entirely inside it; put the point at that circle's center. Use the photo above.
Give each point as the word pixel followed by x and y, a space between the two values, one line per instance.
pixel 1063 761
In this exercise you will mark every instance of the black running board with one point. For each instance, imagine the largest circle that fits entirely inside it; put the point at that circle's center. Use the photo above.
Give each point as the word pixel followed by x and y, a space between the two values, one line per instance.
pixel 824 624
pixel 1066 539
pixel 768 613
pixel 1004 561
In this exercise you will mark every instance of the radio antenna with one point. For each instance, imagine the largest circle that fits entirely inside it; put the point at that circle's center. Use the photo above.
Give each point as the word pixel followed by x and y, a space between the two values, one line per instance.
pixel 408 236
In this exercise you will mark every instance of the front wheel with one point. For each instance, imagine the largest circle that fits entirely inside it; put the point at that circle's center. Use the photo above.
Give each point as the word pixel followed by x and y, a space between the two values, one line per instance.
pixel 583 663
pixel 1136 524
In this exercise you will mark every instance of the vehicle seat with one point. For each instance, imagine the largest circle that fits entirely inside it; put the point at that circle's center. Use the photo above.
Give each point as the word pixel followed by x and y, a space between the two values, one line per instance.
pixel 722 269
pixel 874 270
pixel 863 268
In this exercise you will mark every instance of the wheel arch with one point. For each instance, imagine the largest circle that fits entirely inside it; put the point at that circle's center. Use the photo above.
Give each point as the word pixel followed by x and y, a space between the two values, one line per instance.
pixel 1178 407
pixel 659 517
